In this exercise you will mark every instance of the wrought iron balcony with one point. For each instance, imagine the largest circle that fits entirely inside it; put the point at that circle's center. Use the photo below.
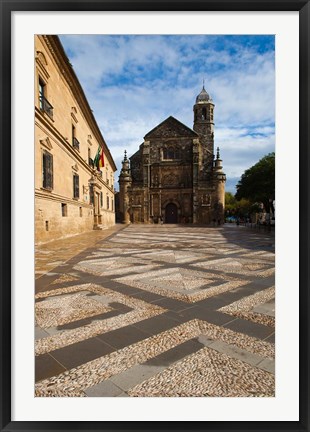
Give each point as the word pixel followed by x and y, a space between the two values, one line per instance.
pixel 46 106
pixel 75 143
pixel 91 162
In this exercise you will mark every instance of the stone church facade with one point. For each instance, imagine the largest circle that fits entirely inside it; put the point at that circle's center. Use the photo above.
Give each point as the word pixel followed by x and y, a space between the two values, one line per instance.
pixel 175 177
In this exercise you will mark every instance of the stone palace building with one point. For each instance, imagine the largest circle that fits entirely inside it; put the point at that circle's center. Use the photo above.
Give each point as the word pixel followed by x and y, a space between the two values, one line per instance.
pixel 175 177
pixel 71 195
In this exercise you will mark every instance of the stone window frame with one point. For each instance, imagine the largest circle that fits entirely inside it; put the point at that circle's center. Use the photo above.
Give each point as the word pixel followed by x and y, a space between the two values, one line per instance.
pixel 64 210
pixel 76 186
pixel 47 170
pixel 44 105
pixel 42 90
pixel 91 194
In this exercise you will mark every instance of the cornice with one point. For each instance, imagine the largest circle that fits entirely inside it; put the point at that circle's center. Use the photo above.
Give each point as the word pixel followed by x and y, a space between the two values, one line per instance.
pixel 41 193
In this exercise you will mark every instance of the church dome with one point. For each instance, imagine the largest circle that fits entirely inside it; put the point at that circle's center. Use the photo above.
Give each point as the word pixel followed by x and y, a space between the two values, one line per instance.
pixel 203 96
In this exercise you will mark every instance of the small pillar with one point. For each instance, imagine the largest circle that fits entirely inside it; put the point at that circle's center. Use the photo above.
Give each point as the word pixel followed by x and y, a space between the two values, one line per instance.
pixel 125 182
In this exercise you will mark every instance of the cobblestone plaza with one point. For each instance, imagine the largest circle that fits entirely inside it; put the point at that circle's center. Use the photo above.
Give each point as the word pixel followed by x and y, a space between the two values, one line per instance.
pixel 156 311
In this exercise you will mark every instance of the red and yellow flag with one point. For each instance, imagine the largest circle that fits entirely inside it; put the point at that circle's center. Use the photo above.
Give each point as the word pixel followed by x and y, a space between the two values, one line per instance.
pixel 99 159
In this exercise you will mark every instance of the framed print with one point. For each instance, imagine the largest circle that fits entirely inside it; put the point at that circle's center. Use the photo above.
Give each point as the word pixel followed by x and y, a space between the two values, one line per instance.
pixel 76 94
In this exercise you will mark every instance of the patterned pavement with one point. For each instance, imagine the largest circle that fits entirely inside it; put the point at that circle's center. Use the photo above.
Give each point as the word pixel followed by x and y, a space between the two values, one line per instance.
pixel 157 311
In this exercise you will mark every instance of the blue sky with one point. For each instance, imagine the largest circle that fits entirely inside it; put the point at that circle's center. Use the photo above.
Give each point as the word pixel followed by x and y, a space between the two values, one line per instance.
pixel 134 82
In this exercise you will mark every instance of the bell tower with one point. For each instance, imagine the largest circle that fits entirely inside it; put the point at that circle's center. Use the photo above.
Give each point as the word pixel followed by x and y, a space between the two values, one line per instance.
pixel 204 120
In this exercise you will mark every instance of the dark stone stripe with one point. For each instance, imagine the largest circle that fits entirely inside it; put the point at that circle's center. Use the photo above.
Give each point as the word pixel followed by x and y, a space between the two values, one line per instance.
pixel 208 315
pixel 250 328
pixel 157 324
pixel 89 320
pixel 124 336
pixel 81 352
pixel 174 354
pixel 171 304
pixel 271 338
pixel 46 366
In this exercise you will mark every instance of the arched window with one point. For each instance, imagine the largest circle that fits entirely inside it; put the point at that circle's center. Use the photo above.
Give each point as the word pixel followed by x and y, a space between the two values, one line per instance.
pixel 170 153
pixel 204 114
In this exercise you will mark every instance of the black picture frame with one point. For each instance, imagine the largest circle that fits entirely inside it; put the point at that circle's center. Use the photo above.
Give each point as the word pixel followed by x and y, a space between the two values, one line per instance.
pixel 7 7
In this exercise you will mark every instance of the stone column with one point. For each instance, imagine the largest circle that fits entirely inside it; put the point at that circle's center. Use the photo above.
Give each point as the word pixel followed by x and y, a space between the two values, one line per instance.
pixel 219 183
pixel 146 181
pixel 195 178
pixel 124 186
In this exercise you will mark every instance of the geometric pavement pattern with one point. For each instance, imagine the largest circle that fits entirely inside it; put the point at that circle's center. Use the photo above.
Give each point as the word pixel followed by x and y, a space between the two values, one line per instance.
pixel 160 311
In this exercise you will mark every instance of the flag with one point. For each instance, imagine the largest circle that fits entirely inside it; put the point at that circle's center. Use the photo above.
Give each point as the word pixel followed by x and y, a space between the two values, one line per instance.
pixel 99 159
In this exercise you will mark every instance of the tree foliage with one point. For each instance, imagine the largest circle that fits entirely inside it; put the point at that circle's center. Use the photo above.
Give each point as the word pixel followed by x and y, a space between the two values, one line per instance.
pixel 230 199
pixel 257 184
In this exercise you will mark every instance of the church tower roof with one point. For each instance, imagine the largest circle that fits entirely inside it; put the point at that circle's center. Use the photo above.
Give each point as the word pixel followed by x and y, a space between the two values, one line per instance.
pixel 203 96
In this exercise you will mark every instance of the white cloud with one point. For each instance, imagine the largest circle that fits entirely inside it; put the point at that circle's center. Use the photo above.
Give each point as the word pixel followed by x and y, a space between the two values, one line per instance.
pixel 134 83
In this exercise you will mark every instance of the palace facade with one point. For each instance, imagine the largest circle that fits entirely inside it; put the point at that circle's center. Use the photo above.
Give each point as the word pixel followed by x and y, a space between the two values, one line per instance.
pixel 72 195
pixel 175 176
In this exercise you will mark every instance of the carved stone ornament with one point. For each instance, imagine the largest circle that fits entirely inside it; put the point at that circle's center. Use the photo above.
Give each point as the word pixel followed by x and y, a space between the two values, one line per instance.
pixel 170 179
pixel 75 167
pixel 41 58
pixel 206 199
pixel 46 143
pixel 73 114
pixel 42 63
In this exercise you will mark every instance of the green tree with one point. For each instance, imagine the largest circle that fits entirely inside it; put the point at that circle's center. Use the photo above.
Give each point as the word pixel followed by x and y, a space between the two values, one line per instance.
pixel 257 184
pixel 244 206
pixel 229 199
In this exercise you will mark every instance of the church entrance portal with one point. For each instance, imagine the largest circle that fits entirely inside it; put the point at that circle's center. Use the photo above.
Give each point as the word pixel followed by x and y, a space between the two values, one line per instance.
pixel 171 213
